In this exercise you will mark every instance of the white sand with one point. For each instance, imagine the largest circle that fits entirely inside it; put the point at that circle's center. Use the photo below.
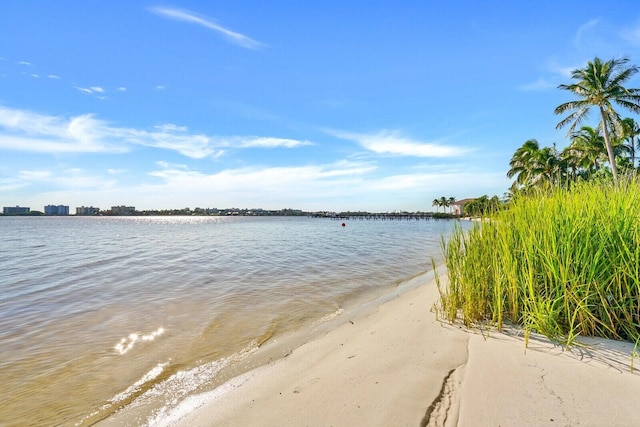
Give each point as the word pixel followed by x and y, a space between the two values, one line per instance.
pixel 398 366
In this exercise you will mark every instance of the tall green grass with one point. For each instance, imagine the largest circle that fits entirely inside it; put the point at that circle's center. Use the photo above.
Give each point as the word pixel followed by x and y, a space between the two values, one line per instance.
pixel 563 262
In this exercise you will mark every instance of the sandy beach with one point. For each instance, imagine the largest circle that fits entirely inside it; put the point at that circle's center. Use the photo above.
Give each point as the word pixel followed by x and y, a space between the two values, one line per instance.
pixel 397 365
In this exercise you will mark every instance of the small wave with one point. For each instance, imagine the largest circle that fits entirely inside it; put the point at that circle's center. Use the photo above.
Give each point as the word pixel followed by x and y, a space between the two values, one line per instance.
pixel 127 343
pixel 131 391
pixel 169 417
pixel 135 387
pixel 182 384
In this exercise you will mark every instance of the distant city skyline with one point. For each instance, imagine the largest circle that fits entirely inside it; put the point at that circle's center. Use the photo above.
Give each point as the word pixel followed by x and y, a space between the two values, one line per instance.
pixel 335 105
pixel 63 210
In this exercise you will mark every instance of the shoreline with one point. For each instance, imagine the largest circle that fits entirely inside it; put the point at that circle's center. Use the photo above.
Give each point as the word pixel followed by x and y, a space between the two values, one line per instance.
pixel 396 364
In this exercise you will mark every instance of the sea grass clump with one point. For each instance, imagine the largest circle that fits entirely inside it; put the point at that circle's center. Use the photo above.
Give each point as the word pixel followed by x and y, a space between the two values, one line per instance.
pixel 563 262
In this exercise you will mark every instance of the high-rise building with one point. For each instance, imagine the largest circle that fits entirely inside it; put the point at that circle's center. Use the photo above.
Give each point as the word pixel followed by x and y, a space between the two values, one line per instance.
pixel 15 210
pixel 56 210
pixel 83 210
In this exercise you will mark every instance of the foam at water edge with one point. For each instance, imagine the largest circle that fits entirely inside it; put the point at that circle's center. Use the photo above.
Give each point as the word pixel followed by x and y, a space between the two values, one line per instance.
pixel 130 391
pixel 328 317
pixel 179 385
pixel 167 417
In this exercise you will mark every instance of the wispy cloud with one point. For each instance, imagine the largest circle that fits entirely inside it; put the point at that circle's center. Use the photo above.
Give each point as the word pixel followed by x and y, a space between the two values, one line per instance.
pixel 71 178
pixel 583 30
pixel 32 132
pixel 92 90
pixel 54 77
pixel 266 186
pixel 631 34
pixel 336 185
pixel 265 142
pixel 194 18
pixel 28 64
pixel 11 184
pixel 394 143
pixel 540 84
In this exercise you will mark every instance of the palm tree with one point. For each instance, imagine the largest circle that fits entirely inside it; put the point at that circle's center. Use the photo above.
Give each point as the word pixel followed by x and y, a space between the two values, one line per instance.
pixel 588 149
pixel 534 166
pixel 550 167
pixel 444 202
pixel 599 84
pixel 451 201
pixel 630 130
pixel 523 163
pixel 436 202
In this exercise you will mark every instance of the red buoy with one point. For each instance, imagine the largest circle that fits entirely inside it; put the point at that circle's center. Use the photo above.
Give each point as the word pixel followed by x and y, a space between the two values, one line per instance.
pixel 344 225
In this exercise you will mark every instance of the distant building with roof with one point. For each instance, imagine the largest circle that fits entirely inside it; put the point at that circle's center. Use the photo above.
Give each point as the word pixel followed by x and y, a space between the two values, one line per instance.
pixel 458 206
pixel 56 210
pixel 15 210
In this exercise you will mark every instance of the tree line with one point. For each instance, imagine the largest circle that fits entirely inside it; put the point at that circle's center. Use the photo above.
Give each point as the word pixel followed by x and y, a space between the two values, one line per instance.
pixel 608 150
pixel 443 202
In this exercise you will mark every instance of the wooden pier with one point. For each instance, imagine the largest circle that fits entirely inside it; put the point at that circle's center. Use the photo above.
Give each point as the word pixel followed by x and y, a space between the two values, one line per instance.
pixel 381 216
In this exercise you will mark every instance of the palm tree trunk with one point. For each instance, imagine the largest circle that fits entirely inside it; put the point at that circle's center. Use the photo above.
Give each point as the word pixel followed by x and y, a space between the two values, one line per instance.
pixel 612 159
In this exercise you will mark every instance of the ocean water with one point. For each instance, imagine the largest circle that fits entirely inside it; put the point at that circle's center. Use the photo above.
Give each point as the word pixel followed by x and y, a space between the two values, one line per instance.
pixel 116 320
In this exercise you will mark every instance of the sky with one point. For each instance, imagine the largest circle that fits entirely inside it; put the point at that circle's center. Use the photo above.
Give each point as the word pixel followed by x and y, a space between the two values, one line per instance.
pixel 334 105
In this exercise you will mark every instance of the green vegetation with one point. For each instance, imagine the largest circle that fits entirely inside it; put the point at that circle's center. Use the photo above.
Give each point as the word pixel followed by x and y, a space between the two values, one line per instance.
pixel 593 152
pixel 564 263
pixel 444 202
pixel 482 206
pixel 599 85
pixel 562 256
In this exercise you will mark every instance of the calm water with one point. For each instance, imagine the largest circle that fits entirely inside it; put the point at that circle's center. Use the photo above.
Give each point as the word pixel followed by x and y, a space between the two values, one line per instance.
pixel 118 319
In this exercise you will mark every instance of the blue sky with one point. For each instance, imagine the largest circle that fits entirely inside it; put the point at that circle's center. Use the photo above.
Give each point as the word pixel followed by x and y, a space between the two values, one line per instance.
pixel 333 105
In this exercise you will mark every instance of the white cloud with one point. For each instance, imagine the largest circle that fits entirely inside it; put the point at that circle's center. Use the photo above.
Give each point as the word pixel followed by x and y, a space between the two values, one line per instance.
pixel 32 132
pixel 53 76
pixel 271 142
pixel 333 186
pixel 394 143
pixel 170 127
pixel 122 89
pixel 186 16
pixel 93 90
pixel 28 64
pixel 68 179
pixel 11 184
pixel 267 185
pixel 160 87
pixel 34 175
pixel 340 185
